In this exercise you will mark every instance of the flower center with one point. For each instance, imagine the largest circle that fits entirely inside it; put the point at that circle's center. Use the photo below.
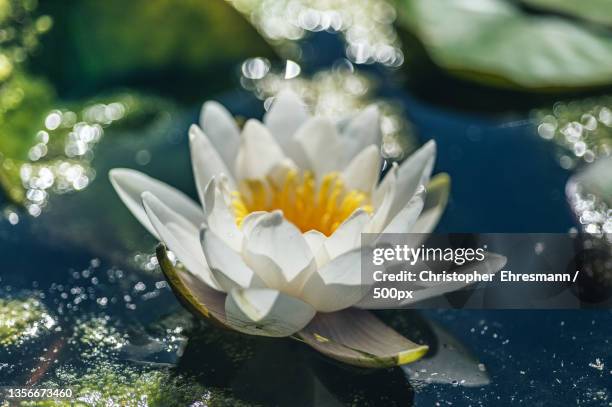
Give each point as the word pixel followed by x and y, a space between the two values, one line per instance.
pixel 307 205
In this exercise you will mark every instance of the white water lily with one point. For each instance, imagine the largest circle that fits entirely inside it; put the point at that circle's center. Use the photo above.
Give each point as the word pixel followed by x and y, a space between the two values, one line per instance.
pixel 274 249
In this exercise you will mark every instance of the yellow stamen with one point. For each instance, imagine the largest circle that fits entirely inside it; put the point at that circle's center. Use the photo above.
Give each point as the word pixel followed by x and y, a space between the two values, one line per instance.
pixel 309 206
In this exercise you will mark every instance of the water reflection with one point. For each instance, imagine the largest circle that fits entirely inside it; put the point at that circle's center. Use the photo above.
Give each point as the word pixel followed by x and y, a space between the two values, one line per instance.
pixel 366 25
pixel 61 160
pixel 284 372
pixel 582 128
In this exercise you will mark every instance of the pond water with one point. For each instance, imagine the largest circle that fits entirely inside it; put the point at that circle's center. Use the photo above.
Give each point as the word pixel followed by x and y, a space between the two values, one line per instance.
pixel 89 308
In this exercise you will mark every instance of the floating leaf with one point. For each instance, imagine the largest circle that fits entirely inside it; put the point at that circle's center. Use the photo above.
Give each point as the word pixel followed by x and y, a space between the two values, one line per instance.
pixel 192 292
pixel 496 42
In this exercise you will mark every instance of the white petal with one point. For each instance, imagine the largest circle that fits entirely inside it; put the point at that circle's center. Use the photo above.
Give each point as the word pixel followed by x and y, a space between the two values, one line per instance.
pixel 358 338
pixel 266 312
pixel 412 173
pixel 437 196
pixel 405 219
pixel 222 130
pixel 205 160
pixel 258 154
pixel 226 265
pixel 275 249
pixel 364 169
pixel 316 242
pixel 286 115
pixel 180 235
pixel 219 217
pixel 382 201
pixel 362 130
pixel 348 235
pixel 336 286
pixel 250 221
pixel 491 264
pixel 130 184
pixel 319 142
pixel 388 182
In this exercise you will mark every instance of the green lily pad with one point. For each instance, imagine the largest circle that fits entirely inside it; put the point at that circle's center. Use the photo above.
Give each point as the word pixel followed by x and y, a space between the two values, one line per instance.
pixel 597 11
pixel 500 44
pixel 197 297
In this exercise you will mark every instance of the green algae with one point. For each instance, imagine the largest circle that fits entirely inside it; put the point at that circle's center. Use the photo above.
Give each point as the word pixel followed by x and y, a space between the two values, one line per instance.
pixel 22 319
pixel 114 384
pixel 97 336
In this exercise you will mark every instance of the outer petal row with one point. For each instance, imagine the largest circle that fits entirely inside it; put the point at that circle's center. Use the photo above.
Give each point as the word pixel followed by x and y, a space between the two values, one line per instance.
pixel 130 184
pixel 267 312
pixel 351 336
pixel 180 235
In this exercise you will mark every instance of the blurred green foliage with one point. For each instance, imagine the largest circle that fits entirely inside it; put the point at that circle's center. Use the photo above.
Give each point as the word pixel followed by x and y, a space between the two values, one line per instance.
pixel 180 48
pixel 24 102
pixel 23 99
